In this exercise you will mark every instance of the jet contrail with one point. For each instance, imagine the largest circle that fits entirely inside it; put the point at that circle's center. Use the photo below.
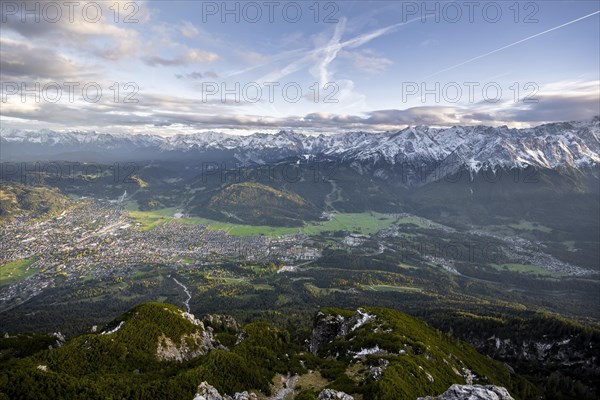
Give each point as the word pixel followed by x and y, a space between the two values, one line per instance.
pixel 306 56
pixel 512 44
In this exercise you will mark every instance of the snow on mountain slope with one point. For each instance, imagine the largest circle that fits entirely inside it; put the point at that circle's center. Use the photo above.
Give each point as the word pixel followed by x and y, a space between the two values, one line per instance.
pixel 571 144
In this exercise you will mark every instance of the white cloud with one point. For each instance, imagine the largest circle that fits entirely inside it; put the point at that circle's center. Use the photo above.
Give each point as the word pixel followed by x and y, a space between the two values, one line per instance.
pixel 191 56
pixel 188 30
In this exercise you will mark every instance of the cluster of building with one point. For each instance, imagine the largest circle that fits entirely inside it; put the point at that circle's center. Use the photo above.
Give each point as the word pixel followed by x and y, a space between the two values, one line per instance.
pixel 95 238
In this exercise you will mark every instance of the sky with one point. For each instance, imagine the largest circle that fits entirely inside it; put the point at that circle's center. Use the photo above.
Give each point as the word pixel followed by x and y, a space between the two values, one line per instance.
pixel 167 67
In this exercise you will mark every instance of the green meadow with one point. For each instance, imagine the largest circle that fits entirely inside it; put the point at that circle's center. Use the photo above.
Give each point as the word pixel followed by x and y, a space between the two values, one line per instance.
pixel 392 288
pixel 366 223
pixel 16 271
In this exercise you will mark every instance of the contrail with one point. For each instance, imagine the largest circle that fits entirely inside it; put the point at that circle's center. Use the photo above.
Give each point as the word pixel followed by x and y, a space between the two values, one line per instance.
pixel 512 44
pixel 306 55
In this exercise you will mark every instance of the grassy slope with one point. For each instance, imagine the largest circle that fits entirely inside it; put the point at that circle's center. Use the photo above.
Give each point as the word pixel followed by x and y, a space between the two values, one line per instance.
pixel 17 200
pixel 430 361
pixel 258 204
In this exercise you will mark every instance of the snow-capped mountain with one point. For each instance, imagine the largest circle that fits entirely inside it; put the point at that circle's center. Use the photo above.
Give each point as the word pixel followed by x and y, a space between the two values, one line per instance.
pixel 569 144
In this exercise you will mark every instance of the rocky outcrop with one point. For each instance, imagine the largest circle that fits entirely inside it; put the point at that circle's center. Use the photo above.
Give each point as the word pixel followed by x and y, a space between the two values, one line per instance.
pixel 472 392
pixel 328 394
pixel 376 371
pixel 244 396
pixel 60 339
pixel 189 345
pixel 222 322
pixel 283 386
pixel 329 327
pixel 208 392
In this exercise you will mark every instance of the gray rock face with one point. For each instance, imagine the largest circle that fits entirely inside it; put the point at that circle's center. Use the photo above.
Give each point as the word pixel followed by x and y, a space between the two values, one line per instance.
pixel 219 321
pixel 329 327
pixel 328 394
pixel 244 396
pixel 376 372
pixel 472 392
pixel 202 341
pixel 189 345
pixel 60 339
pixel 208 392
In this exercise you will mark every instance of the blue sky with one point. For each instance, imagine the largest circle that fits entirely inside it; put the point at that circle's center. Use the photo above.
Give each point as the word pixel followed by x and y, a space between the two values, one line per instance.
pixel 376 65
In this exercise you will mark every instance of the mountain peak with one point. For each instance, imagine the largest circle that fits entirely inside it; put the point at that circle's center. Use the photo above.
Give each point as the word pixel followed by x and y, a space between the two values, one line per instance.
pixel 170 333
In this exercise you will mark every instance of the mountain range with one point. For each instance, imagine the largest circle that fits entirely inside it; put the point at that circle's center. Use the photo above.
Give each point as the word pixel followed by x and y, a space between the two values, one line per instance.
pixel 554 145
